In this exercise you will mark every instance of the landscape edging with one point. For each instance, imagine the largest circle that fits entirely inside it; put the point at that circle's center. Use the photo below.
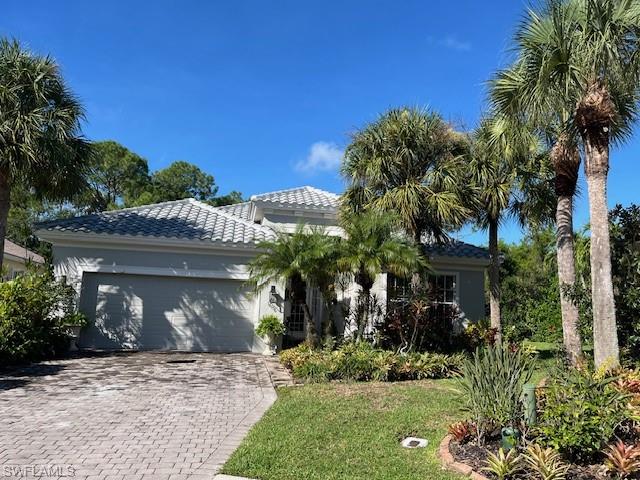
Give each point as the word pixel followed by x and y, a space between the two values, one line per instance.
pixel 450 463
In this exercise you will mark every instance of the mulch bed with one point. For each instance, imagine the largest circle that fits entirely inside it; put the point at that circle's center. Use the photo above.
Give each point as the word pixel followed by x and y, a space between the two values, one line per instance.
pixel 475 456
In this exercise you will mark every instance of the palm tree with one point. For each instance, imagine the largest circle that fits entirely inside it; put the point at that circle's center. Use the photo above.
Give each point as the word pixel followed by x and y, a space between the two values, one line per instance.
pixel 581 56
pixel 41 145
pixel 304 258
pixel 373 245
pixel 514 98
pixel 403 164
pixel 500 151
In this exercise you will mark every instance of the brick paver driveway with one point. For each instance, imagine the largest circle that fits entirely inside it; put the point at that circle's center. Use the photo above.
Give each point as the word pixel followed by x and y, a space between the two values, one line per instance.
pixel 129 416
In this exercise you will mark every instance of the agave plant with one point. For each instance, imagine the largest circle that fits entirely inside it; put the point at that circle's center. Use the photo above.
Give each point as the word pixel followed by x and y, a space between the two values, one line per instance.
pixel 503 465
pixel 622 460
pixel 546 463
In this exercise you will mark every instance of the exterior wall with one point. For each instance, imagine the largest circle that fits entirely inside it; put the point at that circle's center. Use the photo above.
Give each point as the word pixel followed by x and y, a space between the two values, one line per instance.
pixel 11 266
pixel 73 261
pixel 470 287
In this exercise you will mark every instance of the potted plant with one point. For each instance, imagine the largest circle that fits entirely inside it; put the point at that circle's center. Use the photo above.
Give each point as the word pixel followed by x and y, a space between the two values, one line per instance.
pixel 270 328
pixel 72 324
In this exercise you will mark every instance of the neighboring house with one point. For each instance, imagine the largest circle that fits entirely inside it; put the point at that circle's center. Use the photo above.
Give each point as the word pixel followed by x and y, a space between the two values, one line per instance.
pixel 16 259
pixel 172 275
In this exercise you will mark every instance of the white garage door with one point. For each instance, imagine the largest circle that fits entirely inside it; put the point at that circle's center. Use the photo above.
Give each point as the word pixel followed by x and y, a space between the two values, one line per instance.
pixel 168 313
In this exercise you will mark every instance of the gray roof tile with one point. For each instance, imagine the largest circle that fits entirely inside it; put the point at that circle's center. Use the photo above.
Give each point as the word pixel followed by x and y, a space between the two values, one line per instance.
pixel 240 210
pixel 308 197
pixel 182 219
pixel 456 249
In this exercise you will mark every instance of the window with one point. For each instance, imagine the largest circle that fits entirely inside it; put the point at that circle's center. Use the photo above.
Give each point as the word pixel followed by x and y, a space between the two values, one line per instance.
pixel 443 289
pixel 295 322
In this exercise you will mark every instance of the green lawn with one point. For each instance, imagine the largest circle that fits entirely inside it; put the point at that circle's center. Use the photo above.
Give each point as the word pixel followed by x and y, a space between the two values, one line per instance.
pixel 350 431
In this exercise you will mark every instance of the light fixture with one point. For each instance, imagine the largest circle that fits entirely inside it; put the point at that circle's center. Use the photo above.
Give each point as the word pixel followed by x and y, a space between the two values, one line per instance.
pixel 273 295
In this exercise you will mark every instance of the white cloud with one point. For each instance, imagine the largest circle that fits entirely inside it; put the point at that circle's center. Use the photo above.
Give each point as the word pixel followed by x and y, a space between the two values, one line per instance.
pixel 454 43
pixel 322 157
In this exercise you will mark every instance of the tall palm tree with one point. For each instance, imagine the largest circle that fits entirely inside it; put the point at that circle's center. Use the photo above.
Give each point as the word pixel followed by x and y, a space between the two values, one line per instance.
pixel 403 163
pixel 304 258
pixel 373 245
pixel 41 145
pixel 500 151
pixel 514 96
pixel 579 58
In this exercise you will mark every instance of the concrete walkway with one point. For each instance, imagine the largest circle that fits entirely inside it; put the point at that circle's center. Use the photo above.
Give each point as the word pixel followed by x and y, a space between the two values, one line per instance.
pixel 129 416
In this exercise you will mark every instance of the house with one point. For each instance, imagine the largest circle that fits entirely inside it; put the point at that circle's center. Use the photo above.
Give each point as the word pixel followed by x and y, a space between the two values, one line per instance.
pixel 172 275
pixel 17 258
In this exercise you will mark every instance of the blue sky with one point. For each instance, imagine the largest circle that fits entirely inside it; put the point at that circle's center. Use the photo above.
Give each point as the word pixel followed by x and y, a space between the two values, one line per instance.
pixel 264 94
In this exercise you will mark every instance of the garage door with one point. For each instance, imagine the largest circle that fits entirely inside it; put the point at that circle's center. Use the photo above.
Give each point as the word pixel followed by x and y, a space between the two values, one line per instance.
pixel 168 313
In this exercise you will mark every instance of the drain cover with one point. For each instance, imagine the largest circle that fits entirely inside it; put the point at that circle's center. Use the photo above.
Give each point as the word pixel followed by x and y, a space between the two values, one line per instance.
pixel 180 361
pixel 414 442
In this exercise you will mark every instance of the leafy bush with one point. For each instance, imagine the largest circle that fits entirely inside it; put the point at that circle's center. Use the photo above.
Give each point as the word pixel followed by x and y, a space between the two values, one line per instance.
pixel 33 311
pixel 580 413
pixel 362 362
pixel 492 382
pixel 503 465
pixel 270 324
pixel 545 463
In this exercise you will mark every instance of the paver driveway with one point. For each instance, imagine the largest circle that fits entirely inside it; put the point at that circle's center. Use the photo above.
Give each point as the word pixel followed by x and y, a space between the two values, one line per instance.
pixel 129 416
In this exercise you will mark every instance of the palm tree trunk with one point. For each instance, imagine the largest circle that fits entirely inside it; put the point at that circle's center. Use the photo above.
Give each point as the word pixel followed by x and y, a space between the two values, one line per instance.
pixel 311 336
pixel 365 293
pixel 567 278
pixel 605 334
pixel 494 280
pixel 5 203
pixel 594 115
pixel 566 161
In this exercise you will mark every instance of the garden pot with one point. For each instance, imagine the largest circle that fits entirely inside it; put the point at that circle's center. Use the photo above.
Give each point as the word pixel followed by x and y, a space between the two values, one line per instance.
pixel 270 344
pixel 73 331
pixel 510 438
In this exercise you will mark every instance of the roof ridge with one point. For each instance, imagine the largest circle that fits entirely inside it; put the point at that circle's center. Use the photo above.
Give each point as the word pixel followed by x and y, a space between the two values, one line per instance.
pixel 286 190
pixel 215 210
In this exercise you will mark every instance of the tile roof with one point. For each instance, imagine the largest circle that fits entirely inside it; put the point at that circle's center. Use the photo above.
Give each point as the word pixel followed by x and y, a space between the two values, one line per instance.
pixel 305 197
pixel 456 249
pixel 181 219
pixel 16 250
pixel 240 210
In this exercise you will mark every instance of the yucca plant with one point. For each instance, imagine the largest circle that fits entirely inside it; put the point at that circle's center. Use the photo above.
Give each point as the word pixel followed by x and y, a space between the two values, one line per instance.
pixel 622 460
pixel 503 465
pixel 492 382
pixel 545 463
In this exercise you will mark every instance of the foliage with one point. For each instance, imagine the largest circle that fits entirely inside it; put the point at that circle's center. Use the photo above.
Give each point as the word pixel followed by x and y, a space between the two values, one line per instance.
pixel 116 176
pixel 417 323
pixel 546 463
pixel 373 246
pixel 182 180
pixel 270 325
pixel 492 384
pixel 580 413
pixel 305 257
pixel 503 465
pixel 359 361
pixel 622 460
pixel 461 431
pixel 408 163
pixel 34 308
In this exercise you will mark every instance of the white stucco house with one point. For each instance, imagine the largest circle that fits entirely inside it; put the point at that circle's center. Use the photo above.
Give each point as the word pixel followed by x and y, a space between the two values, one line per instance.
pixel 17 258
pixel 171 275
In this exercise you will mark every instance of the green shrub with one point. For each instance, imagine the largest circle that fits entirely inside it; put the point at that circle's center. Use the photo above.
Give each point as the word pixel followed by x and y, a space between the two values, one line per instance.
pixel 33 311
pixel 270 324
pixel 492 383
pixel 580 413
pixel 362 362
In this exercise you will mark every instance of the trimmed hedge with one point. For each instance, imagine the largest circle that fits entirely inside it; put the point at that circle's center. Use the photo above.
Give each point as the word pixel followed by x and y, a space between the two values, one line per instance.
pixel 362 362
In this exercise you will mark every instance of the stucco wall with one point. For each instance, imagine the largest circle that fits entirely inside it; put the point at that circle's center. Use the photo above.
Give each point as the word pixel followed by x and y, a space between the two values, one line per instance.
pixel 471 300
pixel 71 261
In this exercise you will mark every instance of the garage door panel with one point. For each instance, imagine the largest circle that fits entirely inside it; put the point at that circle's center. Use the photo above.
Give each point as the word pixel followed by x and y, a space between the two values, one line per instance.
pixel 149 312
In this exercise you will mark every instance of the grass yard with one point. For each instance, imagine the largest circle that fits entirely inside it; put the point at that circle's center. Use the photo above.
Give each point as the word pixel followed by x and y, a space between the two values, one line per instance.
pixel 350 431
